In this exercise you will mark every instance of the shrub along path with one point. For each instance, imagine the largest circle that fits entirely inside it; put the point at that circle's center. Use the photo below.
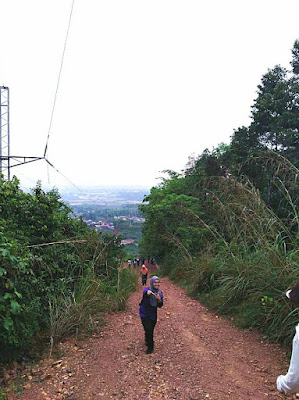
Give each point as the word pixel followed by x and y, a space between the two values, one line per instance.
pixel 198 355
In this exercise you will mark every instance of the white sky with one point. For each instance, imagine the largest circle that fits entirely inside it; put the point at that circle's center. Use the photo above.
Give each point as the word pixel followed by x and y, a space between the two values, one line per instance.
pixel 144 83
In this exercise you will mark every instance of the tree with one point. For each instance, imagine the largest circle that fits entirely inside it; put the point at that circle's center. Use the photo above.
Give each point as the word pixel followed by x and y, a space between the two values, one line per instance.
pixel 244 142
pixel 295 61
pixel 275 113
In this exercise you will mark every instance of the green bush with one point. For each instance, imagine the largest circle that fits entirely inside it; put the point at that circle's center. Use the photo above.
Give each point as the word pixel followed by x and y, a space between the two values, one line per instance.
pixel 57 276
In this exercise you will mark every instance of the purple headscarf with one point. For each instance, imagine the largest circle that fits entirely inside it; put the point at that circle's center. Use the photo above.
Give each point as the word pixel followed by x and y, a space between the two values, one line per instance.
pixel 153 299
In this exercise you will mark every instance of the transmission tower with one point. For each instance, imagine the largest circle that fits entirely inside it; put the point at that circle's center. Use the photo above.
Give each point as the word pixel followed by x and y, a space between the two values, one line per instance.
pixel 4 132
pixel 6 160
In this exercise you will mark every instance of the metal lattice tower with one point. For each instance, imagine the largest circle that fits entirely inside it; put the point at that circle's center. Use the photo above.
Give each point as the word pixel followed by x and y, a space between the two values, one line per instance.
pixel 4 133
pixel 6 160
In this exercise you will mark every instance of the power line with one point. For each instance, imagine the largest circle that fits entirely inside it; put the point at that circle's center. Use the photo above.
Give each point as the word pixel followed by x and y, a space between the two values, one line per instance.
pixel 59 75
pixel 59 242
pixel 20 160
pixel 72 183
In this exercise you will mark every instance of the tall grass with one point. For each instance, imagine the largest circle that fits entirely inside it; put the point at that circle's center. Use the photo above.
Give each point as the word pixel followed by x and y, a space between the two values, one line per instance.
pixel 250 288
pixel 252 255
pixel 82 311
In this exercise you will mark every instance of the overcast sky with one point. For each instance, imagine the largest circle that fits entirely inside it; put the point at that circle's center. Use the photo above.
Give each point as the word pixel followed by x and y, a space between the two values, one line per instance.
pixel 144 84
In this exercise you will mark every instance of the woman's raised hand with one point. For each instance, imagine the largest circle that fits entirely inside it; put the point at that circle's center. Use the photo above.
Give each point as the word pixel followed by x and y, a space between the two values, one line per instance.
pixel 157 296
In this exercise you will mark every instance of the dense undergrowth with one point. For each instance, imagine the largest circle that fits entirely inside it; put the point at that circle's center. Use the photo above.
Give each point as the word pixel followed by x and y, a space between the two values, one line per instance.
pixel 227 228
pixel 57 276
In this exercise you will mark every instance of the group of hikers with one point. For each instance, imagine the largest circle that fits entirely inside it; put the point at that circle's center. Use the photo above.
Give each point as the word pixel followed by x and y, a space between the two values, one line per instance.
pixel 152 299
pixel 140 261
pixel 143 270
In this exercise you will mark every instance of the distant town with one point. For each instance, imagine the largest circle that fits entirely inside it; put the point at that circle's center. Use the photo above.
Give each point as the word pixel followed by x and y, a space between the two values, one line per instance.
pixel 110 226
pixel 105 196
pixel 112 210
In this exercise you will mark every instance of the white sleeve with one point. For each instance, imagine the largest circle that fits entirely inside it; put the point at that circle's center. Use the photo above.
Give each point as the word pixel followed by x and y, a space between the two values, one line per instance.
pixel 289 383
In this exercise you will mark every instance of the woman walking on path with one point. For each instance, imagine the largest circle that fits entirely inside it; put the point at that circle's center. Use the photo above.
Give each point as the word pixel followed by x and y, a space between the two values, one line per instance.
pixel 143 272
pixel 152 299
pixel 289 383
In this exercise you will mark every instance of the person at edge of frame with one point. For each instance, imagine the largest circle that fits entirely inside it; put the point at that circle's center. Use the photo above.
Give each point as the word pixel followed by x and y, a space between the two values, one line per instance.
pixel 289 383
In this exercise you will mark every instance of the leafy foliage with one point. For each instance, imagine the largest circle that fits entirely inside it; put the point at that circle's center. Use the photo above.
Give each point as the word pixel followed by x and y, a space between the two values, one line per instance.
pixel 52 267
pixel 227 228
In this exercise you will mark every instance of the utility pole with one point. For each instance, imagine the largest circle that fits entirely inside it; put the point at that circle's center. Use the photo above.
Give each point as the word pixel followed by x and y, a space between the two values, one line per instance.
pixel 6 160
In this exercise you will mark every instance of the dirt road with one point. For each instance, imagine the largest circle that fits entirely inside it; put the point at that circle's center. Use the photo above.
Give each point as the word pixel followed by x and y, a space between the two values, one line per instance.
pixel 198 355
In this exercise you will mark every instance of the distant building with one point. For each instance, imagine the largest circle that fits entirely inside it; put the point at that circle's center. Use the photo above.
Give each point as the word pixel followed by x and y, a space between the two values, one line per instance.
pixel 107 226
pixel 127 241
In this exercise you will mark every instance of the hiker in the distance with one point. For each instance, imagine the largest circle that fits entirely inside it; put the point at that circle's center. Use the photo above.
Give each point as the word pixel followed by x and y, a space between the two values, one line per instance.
pixel 289 383
pixel 143 272
pixel 152 298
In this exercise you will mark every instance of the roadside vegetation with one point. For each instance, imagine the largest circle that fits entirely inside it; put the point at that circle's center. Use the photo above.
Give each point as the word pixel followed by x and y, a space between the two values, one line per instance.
pixel 227 228
pixel 57 276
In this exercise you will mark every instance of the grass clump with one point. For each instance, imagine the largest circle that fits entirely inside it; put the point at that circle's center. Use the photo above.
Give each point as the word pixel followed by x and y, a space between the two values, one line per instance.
pixel 82 311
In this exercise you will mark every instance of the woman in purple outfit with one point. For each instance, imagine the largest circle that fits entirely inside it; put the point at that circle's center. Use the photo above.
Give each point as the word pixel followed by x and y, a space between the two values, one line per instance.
pixel 152 299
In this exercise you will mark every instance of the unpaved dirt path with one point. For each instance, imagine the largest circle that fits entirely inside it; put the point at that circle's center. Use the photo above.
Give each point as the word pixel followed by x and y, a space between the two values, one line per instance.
pixel 198 355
